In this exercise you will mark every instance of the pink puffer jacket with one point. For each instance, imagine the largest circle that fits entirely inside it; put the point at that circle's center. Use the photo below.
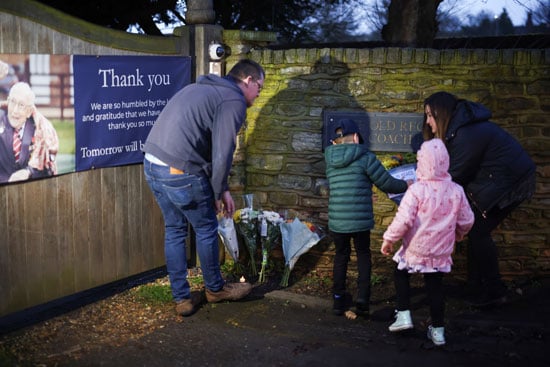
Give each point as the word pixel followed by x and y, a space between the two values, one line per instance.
pixel 433 214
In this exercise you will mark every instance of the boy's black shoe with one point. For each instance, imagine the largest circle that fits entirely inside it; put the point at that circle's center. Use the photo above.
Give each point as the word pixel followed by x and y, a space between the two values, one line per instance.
pixel 339 305
pixel 362 310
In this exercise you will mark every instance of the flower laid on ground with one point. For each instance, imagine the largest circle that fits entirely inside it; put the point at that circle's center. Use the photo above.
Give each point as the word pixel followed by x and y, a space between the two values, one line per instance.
pixel 228 235
pixel 391 162
pixel 298 237
pixel 246 222
pixel 397 160
pixel 270 234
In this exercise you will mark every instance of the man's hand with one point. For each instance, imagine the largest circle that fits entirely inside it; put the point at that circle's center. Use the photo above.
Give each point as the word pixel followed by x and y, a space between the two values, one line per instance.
pixel 226 205
pixel 20 175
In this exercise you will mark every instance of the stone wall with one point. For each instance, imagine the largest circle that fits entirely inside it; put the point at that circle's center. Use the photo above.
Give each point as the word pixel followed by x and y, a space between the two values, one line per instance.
pixel 280 158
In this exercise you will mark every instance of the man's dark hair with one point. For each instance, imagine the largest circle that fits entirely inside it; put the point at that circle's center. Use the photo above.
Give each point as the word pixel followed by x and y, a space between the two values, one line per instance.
pixel 246 67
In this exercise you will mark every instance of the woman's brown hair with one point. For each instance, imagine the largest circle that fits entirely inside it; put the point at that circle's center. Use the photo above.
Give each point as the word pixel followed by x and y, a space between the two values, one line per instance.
pixel 442 105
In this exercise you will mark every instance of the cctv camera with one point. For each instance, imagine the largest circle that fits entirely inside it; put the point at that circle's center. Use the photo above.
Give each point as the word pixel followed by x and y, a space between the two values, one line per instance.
pixel 216 51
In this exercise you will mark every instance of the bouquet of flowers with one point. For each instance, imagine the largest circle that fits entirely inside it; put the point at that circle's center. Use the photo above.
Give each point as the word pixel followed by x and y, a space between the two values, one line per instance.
pixel 298 237
pixel 269 234
pixel 228 235
pixel 246 222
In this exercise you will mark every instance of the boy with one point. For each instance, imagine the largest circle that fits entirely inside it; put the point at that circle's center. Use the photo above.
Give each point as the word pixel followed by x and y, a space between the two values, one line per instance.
pixel 351 171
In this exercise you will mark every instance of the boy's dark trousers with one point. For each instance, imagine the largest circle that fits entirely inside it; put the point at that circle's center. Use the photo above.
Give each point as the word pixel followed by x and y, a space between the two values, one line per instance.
pixel 361 241
pixel 434 289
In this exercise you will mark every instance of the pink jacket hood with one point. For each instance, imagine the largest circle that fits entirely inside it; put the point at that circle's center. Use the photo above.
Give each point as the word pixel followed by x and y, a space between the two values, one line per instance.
pixel 433 161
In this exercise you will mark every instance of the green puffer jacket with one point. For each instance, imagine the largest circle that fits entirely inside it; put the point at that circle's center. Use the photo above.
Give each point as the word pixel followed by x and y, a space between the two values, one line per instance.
pixel 351 171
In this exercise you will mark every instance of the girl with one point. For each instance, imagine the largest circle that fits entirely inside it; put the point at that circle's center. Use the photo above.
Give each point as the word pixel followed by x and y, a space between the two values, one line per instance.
pixel 433 214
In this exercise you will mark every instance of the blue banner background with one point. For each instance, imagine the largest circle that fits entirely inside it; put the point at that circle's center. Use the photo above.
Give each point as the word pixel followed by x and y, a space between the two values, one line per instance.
pixel 117 100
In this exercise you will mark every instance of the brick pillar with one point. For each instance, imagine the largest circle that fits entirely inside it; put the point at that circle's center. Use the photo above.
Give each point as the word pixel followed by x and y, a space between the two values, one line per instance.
pixel 199 32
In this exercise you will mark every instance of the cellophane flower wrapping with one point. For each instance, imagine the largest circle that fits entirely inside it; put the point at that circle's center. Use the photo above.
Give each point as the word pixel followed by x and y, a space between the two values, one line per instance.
pixel 297 238
pixel 228 235
pixel 403 167
pixel 270 234
pixel 405 172
pixel 246 223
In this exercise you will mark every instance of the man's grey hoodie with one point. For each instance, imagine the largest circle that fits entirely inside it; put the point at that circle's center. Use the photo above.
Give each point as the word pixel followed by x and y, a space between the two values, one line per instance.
pixel 196 131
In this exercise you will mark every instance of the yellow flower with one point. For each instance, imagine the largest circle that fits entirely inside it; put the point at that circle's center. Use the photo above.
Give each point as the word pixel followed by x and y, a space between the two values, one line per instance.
pixel 237 216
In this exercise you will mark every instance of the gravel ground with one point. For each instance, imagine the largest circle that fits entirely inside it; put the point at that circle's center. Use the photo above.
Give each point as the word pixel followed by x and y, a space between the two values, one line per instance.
pixel 125 321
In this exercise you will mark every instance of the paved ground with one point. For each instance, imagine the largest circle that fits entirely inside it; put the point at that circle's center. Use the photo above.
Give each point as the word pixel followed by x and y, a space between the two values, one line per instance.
pixel 280 328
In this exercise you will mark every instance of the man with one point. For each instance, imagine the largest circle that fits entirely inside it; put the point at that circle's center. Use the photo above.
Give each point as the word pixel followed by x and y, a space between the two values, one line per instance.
pixel 28 141
pixel 188 156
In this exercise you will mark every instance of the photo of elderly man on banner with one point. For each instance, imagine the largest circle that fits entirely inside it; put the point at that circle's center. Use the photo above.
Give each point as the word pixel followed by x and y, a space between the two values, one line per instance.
pixel 28 141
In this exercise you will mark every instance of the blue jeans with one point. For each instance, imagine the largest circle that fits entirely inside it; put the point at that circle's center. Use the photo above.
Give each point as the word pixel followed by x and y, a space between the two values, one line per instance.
pixel 186 199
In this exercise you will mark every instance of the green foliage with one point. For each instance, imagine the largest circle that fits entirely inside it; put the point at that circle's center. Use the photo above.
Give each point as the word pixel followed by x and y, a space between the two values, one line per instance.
pixel 195 282
pixel 376 279
pixel 66 134
pixel 154 293
pixel 7 359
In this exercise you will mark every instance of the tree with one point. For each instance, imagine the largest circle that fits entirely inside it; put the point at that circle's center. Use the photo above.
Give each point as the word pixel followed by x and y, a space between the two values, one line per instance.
pixel 293 20
pixel 504 25
pixel 411 23
pixel 486 25
pixel 333 23
pixel 286 17
pixel 479 26
pixel 145 15
pixel 540 15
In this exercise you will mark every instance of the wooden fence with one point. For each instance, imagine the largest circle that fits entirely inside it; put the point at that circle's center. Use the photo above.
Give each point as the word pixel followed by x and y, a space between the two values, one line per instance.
pixel 76 231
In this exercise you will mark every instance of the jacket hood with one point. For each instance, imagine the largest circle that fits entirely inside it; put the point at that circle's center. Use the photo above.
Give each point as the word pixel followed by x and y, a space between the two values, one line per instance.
pixel 342 155
pixel 216 80
pixel 467 112
pixel 433 161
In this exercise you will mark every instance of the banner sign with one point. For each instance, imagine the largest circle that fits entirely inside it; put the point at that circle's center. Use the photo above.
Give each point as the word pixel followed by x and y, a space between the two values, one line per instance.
pixel 117 100
pixel 381 132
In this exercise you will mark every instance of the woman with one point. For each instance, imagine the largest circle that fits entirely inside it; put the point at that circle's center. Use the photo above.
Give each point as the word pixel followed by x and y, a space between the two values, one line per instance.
pixel 495 172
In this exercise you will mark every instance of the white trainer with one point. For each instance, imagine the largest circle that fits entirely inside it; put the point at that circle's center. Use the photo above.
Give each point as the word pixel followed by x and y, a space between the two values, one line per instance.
pixel 436 335
pixel 402 322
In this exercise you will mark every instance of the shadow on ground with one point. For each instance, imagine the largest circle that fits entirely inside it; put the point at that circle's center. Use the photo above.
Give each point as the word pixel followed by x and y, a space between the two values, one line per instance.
pixel 283 327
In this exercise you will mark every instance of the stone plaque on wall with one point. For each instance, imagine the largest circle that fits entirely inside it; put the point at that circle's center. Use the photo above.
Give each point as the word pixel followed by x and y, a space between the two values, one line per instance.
pixel 381 131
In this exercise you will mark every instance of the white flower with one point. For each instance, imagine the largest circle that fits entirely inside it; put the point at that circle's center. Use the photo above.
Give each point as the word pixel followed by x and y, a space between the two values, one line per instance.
pixel 272 217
